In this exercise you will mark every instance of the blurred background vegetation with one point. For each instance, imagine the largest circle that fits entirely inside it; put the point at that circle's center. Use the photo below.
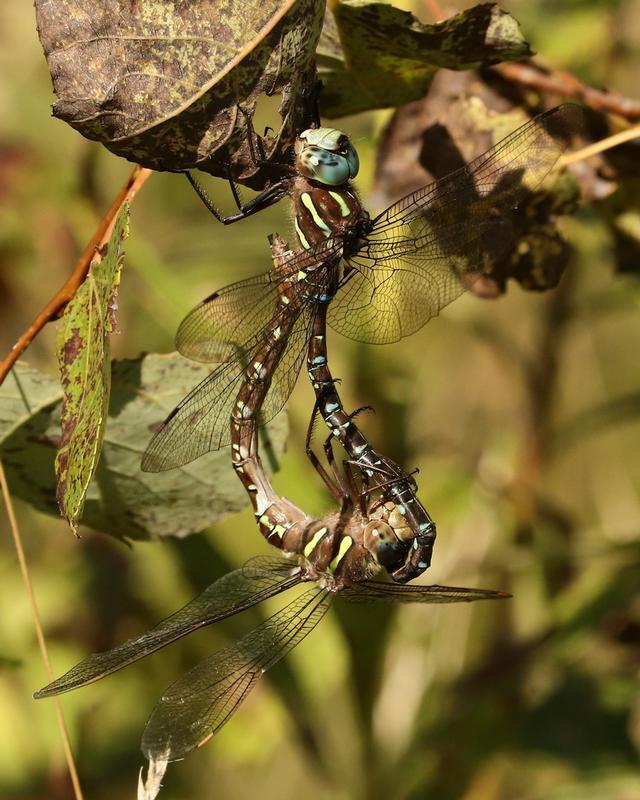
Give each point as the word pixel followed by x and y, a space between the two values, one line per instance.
pixel 522 415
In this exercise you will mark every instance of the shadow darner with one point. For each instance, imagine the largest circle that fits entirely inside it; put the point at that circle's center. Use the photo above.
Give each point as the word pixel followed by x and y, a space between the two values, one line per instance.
pixel 383 278
pixel 398 512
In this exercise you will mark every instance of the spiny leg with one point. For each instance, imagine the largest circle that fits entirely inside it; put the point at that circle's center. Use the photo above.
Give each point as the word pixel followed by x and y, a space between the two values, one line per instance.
pixel 266 198
pixel 334 483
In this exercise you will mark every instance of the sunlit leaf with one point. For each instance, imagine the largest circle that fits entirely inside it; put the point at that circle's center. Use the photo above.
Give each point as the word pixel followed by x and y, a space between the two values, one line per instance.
pixel 85 371
pixel 159 82
pixel 372 55
pixel 121 499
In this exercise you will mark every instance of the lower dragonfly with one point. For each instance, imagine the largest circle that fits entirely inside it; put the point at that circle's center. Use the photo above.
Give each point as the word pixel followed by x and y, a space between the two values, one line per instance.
pixel 337 555
pixel 382 278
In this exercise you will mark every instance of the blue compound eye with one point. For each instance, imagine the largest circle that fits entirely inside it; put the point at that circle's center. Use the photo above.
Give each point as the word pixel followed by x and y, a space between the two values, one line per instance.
pixel 326 167
pixel 352 160
pixel 391 555
pixel 328 155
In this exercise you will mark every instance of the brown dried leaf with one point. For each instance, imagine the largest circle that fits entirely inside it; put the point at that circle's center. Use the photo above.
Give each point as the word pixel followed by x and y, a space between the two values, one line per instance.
pixel 462 116
pixel 159 82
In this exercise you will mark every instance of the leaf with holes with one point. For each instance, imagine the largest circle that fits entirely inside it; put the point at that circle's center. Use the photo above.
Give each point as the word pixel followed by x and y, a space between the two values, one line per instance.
pixel 85 372
pixel 159 82
pixel 121 499
pixel 372 55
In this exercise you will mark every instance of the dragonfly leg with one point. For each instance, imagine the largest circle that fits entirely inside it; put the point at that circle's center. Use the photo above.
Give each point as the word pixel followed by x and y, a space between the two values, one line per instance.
pixel 360 409
pixel 256 148
pixel 234 189
pixel 261 201
pixel 313 105
pixel 334 482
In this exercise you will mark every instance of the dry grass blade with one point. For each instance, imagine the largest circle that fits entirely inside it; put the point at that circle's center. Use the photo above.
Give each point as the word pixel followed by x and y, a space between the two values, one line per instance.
pixel 150 788
pixel 17 540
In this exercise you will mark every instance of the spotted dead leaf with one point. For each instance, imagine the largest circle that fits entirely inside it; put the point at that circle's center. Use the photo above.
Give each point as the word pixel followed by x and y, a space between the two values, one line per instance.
pixel 372 55
pixel 121 499
pixel 159 82
pixel 85 372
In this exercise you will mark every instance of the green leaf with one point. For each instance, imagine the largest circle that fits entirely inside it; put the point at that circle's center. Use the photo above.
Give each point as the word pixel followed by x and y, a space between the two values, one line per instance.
pixel 159 82
pixel 85 372
pixel 372 55
pixel 121 499
pixel 24 394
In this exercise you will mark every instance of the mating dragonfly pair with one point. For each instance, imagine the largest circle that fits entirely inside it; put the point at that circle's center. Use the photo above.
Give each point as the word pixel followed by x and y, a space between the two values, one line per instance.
pixel 376 280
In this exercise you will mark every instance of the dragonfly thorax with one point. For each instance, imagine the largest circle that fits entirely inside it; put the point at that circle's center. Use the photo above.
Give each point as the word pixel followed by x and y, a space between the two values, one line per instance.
pixel 326 155
pixel 322 213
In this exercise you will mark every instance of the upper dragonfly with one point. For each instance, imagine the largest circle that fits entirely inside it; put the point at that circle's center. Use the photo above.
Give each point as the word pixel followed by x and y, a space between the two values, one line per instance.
pixel 383 278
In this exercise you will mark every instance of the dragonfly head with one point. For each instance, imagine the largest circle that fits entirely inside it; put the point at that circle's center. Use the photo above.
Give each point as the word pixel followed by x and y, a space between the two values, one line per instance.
pixel 400 541
pixel 388 537
pixel 381 541
pixel 326 155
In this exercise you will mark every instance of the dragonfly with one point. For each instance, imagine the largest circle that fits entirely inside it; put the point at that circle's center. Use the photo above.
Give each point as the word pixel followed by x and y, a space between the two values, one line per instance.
pixel 278 519
pixel 391 274
pixel 196 706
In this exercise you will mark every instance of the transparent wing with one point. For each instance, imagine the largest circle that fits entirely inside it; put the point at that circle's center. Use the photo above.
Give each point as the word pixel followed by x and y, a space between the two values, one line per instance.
pixel 202 421
pixel 260 578
pixel 226 319
pixel 198 704
pixel 377 591
pixel 221 323
pixel 426 249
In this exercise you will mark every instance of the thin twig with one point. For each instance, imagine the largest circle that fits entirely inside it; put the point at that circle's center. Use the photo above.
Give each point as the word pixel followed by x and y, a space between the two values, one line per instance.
pixel 599 147
pixel 535 76
pixel 24 569
pixel 53 308
pixel 565 84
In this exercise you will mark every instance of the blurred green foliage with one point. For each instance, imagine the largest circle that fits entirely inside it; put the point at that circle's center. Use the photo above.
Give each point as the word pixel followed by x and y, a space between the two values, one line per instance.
pixel 522 415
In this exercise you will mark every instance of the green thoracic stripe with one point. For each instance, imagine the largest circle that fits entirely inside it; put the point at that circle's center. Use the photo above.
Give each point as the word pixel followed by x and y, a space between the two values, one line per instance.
pixel 345 544
pixel 301 236
pixel 307 202
pixel 314 541
pixel 344 208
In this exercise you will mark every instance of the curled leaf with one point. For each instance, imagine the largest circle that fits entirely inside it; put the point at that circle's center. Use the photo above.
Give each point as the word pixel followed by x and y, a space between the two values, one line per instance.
pixel 85 372
pixel 372 55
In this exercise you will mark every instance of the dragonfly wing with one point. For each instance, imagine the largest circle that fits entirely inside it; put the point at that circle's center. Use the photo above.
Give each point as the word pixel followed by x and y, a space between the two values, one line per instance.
pixel 259 579
pixel 429 247
pixel 377 591
pixel 198 704
pixel 217 326
pixel 214 329
pixel 202 421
